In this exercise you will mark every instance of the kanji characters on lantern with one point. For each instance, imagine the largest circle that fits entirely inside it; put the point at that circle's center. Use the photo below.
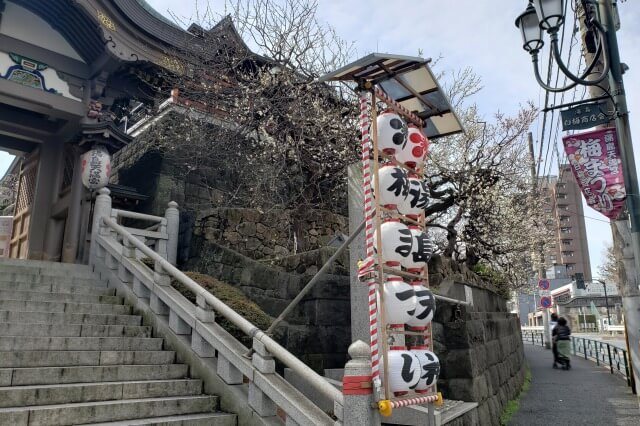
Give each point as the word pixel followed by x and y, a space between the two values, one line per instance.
pixel 417 198
pixel 96 168
pixel 429 368
pixel 425 307
pixel 404 370
pixel 399 301
pixel 393 185
pixel 395 241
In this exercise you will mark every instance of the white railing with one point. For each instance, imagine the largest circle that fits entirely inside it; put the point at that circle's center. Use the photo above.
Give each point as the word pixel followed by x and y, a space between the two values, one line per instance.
pixel 117 250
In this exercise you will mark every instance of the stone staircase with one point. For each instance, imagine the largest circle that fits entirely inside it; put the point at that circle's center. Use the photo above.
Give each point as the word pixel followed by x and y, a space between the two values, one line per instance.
pixel 72 353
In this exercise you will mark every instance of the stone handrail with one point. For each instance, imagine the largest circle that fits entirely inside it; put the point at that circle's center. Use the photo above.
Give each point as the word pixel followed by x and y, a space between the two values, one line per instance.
pixel 266 389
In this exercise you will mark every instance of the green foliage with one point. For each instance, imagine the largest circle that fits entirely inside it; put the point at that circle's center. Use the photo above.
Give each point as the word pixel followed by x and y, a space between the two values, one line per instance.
pixel 494 277
pixel 513 406
pixel 232 297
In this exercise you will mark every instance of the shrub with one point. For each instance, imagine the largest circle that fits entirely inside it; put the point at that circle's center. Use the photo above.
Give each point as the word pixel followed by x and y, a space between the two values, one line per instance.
pixel 232 297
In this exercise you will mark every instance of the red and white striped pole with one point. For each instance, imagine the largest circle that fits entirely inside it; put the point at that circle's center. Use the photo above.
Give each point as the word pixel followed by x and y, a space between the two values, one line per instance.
pixel 368 231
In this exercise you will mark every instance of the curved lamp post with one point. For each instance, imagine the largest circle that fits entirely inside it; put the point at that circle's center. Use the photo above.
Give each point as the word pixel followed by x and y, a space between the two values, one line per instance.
pixel 548 15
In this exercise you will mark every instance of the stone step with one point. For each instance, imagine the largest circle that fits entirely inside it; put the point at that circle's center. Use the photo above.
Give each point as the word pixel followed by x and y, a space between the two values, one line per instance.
pixel 19 396
pixel 68 307
pixel 68 279
pixel 25 343
pixel 58 288
pixel 72 330
pixel 25 359
pixel 91 374
pixel 103 411
pixel 58 297
pixel 14 316
pixel 44 267
pixel 212 419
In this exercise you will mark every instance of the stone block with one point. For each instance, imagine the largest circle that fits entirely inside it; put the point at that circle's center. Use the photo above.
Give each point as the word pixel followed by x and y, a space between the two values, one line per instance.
pixel 228 372
pixel 201 347
pixel 177 325
pixel 266 365
pixel 260 402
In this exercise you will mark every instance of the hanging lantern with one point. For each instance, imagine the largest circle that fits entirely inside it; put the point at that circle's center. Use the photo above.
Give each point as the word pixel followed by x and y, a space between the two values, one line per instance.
pixel 394 186
pixel 414 153
pixel 421 250
pixel 96 168
pixel 425 307
pixel 429 368
pixel 417 198
pixel 392 133
pixel 396 242
pixel 404 370
pixel 399 301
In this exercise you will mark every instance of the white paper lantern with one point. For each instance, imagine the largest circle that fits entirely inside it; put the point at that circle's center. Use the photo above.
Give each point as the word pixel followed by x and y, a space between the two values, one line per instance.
pixel 425 307
pixel 399 301
pixel 394 186
pixel 414 152
pixel 392 133
pixel 396 242
pixel 429 368
pixel 417 198
pixel 404 370
pixel 421 250
pixel 96 168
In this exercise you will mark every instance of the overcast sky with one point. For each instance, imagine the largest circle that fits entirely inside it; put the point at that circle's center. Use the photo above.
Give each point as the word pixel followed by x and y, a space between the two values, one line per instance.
pixel 476 33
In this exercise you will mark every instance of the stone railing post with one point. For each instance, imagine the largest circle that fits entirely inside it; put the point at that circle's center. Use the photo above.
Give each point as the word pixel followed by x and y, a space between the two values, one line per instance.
pixel 357 388
pixel 204 314
pixel 161 245
pixel 172 214
pixel 263 361
pixel 102 208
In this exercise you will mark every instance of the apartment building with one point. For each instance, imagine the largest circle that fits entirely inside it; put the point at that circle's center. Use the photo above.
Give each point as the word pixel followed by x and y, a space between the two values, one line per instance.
pixel 564 207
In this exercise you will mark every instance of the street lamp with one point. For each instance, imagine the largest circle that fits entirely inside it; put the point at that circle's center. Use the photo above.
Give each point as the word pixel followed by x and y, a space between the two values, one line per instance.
pixel 606 299
pixel 548 15
pixel 600 22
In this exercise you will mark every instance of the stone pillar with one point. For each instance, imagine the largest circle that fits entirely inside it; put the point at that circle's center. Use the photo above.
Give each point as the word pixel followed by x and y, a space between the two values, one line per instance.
pixel 49 165
pixel 102 208
pixel 74 216
pixel 357 388
pixel 359 291
pixel 264 363
pixel 172 214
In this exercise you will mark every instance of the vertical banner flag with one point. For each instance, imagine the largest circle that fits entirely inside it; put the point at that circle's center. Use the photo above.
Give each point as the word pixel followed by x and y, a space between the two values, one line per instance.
pixel 595 161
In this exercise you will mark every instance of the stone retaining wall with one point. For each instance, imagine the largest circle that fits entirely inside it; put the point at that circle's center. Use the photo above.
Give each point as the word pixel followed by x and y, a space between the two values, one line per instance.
pixel 317 331
pixel 271 234
pixel 482 359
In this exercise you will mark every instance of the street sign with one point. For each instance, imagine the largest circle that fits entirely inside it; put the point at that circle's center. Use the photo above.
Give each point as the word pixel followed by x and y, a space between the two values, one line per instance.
pixel 545 302
pixel 585 116
pixel 544 284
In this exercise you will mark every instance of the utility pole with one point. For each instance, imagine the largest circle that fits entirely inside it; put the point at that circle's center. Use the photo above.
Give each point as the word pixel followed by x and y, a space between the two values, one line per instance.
pixel 542 271
pixel 628 284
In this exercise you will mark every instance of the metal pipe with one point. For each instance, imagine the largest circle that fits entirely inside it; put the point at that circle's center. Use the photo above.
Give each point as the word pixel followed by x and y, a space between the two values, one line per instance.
pixel 288 359
pixel 315 279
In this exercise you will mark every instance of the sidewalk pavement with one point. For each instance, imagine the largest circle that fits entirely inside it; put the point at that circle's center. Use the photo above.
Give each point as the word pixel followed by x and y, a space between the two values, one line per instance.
pixel 585 395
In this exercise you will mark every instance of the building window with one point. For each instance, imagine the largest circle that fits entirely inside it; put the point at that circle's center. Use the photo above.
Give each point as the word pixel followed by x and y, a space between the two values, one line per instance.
pixel 553 258
pixel 567 253
pixel 561 196
pixel 547 210
pixel 565 230
pixel 561 185
pixel 564 218
pixel 570 267
pixel 566 242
